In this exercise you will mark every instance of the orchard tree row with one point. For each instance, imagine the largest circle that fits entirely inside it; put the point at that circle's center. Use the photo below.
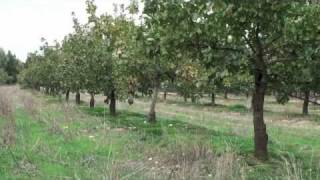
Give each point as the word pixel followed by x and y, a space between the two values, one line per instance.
pixel 192 46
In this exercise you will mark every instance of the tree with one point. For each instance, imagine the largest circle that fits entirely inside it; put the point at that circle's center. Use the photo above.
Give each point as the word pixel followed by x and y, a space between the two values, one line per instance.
pixel 250 33
pixel 30 75
pixel 157 45
pixel 10 65
pixel 303 36
pixel 3 59
pixel 258 27
pixel 189 81
pixel 73 47
pixel 3 63
pixel 115 39
pixel 103 40
pixel 42 69
pixel 3 76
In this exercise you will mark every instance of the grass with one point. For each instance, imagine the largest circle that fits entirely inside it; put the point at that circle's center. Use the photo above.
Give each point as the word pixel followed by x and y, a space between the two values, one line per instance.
pixel 64 141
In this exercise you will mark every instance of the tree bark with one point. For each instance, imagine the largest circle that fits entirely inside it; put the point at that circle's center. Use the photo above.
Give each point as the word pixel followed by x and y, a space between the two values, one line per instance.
pixel 92 101
pixel 112 105
pixel 213 99
pixel 78 98
pixel 152 112
pixel 260 129
pixel 67 95
pixel 260 132
pixel 305 109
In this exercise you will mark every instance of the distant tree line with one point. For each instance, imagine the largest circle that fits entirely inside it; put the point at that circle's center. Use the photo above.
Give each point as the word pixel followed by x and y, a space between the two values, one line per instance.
pixel 10 67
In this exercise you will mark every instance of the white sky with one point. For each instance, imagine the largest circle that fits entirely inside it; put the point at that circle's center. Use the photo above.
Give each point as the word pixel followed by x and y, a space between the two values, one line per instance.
pixel 24 22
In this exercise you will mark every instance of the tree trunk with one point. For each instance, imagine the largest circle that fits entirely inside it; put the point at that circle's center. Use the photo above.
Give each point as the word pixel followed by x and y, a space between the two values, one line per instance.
pixel 52 92
pixel 193 99
pixel 152 112
pixel 92 101
pixel 112 105
pixel 185 99
pixel 67 95
pixel 165 95
pixel 260 132
pixel 213 99
pixel 226 94
pixel 46 91
pixel 78 98
pixel 305 109
pixel 260 129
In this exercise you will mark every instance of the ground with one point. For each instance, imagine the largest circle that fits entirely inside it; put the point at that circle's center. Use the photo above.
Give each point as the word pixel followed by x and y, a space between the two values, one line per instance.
pixel 52 139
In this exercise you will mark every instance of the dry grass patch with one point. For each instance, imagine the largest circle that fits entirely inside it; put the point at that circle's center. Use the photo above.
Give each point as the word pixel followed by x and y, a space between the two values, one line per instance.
pixel 194 160
pixel 30 104
pixel 8 132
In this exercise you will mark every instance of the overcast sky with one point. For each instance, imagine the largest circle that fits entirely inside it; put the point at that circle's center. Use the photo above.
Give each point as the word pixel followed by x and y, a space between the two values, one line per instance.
pixel 24 22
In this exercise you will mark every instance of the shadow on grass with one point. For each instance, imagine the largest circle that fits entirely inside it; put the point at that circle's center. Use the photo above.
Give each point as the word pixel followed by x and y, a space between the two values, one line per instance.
pixel 137 121
pixel 58 100
pixel 171 127
pixel 240 108
pixel 293 115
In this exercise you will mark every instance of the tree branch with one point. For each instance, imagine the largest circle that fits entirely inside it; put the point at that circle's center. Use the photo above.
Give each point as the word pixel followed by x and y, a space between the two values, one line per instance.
pixel 249 44
pixel 273 40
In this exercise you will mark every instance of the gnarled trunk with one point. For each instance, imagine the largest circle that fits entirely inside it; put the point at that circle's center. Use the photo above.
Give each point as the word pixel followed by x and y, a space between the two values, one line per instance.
pixel 152 112
pixel 112 105
pixel 305 109
pixel 92 101
pixel 78 98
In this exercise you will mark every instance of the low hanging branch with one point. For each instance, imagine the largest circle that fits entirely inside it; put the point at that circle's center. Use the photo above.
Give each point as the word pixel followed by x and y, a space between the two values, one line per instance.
pixel 301 98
